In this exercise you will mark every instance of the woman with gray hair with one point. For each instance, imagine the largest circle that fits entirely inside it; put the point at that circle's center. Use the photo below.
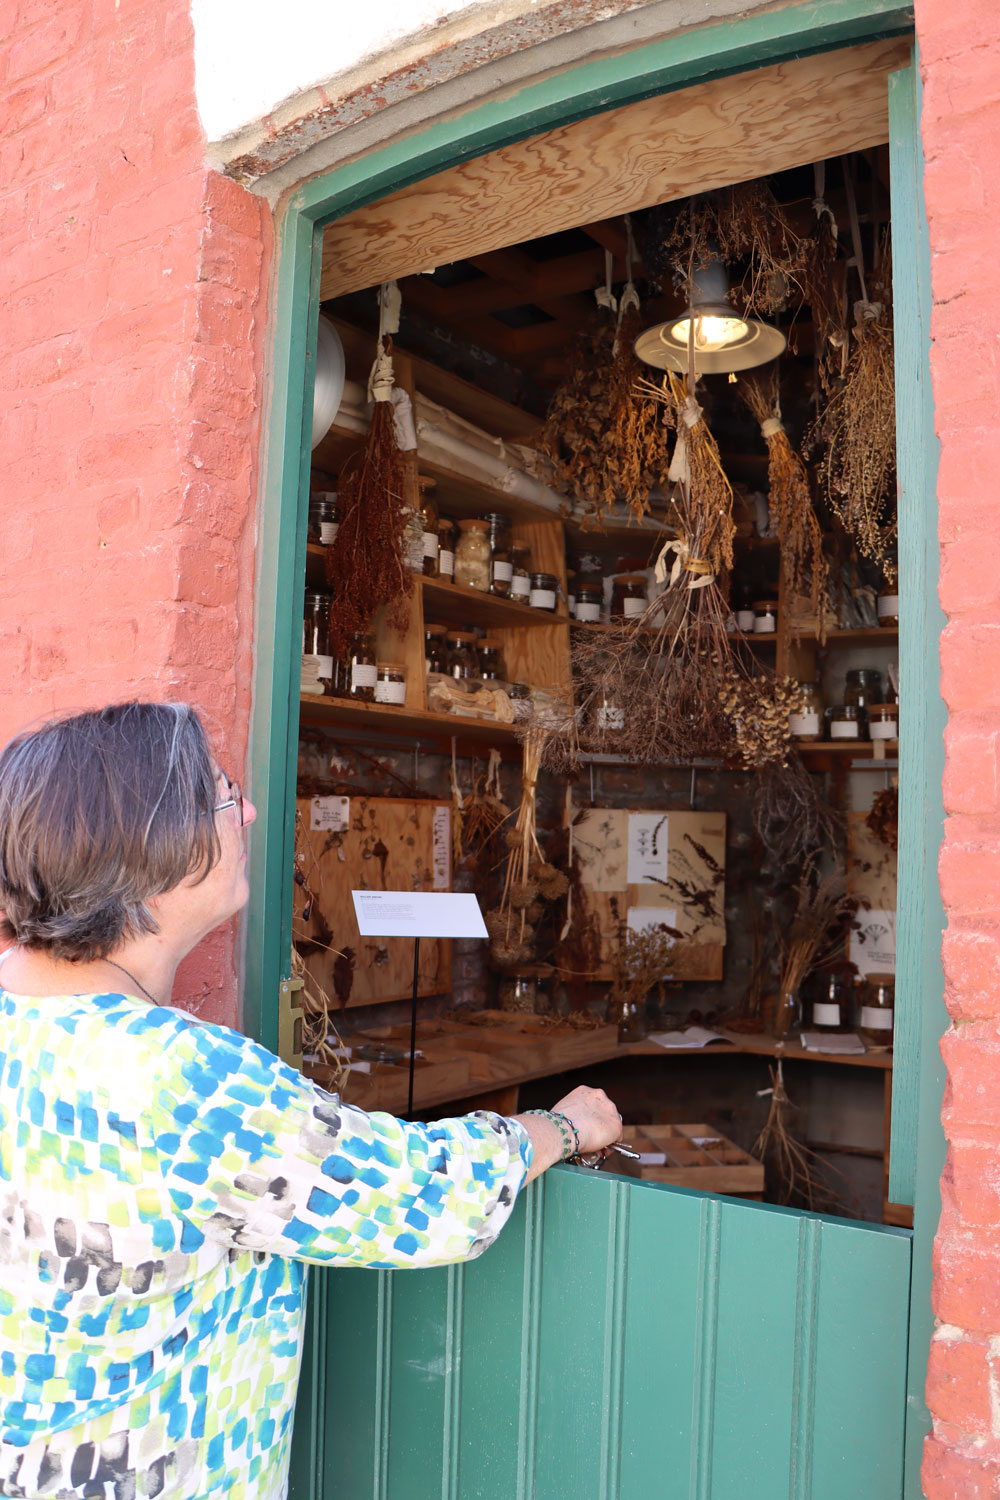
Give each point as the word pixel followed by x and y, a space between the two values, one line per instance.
pixel 164 1183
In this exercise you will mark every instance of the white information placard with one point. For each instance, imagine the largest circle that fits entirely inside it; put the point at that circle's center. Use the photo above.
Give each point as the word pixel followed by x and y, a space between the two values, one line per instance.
pixel 873 944
pixel 329 814
pixel 418 914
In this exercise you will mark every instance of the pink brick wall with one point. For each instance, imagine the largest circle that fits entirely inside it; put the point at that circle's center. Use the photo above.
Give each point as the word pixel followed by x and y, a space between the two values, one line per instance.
pixel 130 370
pixel 960 63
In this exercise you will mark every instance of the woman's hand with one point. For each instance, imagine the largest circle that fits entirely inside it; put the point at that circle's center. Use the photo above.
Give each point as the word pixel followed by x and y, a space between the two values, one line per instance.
pixel 597 1121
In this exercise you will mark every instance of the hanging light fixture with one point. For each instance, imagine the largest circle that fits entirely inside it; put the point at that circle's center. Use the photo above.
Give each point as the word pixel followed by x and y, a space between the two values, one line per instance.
pixel 723 341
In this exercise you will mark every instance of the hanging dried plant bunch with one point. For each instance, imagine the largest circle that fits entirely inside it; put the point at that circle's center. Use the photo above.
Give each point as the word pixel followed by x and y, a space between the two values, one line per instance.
pixel 365 566
pixel 741 223
pixel 826 302
pixel 606 445
pixel 791 818
pixel 857 469
pixel 883 819
pixel 793 515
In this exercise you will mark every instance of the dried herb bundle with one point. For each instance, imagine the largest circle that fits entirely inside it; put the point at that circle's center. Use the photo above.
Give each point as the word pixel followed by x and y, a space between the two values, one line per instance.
pixel 805 568
pixel 702 499
pixel 816 934
pixel 792 820
pixel 642 961
pixel 791 1167
pixel 883 820
pixel 826 303
pixel 857 469
pixel 607 446
pixel 365 566
pixel 530 879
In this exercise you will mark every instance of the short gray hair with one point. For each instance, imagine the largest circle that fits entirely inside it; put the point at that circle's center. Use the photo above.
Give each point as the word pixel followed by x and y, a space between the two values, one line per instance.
pixel 98 813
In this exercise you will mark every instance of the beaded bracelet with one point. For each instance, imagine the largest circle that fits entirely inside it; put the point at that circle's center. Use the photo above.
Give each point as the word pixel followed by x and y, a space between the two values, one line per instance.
pixel 563 1123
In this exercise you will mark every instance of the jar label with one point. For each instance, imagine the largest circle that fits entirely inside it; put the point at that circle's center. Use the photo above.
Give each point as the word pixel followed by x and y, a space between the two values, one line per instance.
pixel 317 666
pixel 876 1018
pixel 845 729
pixel 744 619
pixel 588 614
pixel 542 599
pixel 446 563
pixel 390 692
pixel 609 717
pixel 362 676
pixel 825 1014
pixel 763 624
pixel 633 608
pixel 328 532
pixel 883 729
pixel 520 586
pixel 503 572
pixel 803 724
pixel 887 604
pixel 431 544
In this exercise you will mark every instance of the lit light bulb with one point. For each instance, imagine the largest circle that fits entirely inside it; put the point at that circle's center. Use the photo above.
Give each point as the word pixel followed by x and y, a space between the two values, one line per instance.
pixel 711 332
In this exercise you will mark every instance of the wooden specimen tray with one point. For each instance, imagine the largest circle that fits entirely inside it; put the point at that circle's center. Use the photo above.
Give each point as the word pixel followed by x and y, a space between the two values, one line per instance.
pixel 691 1156
pixel 437 1074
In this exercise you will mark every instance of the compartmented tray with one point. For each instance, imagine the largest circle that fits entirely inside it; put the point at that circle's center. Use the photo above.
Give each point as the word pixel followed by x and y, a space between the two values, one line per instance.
pixel 691 1156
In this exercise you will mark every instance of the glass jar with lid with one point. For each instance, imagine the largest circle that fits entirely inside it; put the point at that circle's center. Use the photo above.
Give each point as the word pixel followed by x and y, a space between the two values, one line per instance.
pixel 589 602
pixel 628 596
pixel 390 683
pixel 317 660
pixel 765 616
pixel 875 1020
pixel 324 518
pixel 491 667
pixel 363 669
pixel 544 591
pixel 807 722
pixel 435 650
pixel 429 527
pixel 518 991
pixel 520 578
pixel 472 555
pixel 412 544
pixel 847 722
pixel 501 562
pixel 883 721
pixel 463 658
pixel 610 714
pixel 831 1006
pixel 863 685
pixel 446 548
pixel 887 606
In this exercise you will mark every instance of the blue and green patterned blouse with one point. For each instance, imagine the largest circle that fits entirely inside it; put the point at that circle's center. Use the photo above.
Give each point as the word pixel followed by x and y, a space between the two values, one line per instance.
pixel 162 1183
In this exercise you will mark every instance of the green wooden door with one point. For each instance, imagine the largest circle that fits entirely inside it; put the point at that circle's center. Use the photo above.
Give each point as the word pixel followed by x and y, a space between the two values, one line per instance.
pixel 620 1341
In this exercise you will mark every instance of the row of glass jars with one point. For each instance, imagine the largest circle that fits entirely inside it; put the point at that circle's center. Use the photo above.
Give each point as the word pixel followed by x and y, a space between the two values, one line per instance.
pixel 841 1004
pixel 463 655
pixel 360 675
pixel 861 716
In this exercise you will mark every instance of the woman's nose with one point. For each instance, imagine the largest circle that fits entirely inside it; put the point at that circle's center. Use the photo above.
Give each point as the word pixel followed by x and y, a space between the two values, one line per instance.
pixel 249 812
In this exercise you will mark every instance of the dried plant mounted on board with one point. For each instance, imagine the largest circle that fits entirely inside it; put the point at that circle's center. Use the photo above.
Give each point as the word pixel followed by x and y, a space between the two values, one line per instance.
pixel 530 878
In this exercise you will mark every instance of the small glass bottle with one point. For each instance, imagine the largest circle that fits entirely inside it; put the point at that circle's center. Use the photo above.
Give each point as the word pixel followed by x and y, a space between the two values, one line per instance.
pixel 544 591
pixel 472 555
pixel 883 721
pixel 831 1006
pixel 887 606
pixel 363 669
pixel 429 529
pixel 491 668
pixel 446 549
pixel 413 539
pixel 765 616
pixel 787 1014
pixel 463 659
pixel 875 1021
pixel 435 650
pixel 501 562
pixel 520 579
pixel 807 723
pixel 628 597
pixel 324 518
pixel 518 992
pixel 317 661
pixel 390 683
pixel 847 722
pixel 589 602
pixel 863 685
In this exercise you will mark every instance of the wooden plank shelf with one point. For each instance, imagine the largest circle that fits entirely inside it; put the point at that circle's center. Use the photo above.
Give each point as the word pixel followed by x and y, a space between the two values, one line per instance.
pixel 451 603
pixel 381 718
pixel 870 636
pixel 839 751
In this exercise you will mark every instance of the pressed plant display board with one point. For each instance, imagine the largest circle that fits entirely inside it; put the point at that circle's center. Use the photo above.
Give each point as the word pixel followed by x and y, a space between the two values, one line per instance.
pixel 390 843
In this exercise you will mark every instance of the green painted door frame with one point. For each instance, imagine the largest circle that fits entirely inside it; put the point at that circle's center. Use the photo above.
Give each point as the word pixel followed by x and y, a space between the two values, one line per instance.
pixel 675 62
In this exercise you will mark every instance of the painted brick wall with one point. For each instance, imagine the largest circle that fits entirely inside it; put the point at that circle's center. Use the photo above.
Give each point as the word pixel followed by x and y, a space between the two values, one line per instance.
pixel 960 60
pixel 130 370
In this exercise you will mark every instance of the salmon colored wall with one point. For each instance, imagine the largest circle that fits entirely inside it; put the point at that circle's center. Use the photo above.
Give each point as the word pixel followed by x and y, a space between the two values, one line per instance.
pixel 131 355
pixel 960 64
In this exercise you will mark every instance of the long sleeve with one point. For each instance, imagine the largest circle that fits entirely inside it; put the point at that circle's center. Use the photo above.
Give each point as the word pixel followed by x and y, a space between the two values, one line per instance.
pixel 256 1157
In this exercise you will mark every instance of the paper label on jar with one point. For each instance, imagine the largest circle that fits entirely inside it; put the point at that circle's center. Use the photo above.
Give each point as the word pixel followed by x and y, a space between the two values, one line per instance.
pixel 634 608
pixel 520 587
pixel 588 614
pixel 317 666
pixel 446 563
pixel 887 604
pixel 503 572
pixel 328 532
pixel 609 717
pixel 826 1014
pixel 390 692
pixel 883 729
pixel 876 1018
pixel 844 729
pixel 441 858
pixel 363 677
pixel 431 544
pixel 763 625
pixel 803 724
pixel 329 814
pixel 744 619
pixel 542 599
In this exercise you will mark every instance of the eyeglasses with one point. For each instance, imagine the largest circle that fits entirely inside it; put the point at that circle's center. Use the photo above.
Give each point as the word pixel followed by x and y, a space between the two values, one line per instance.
pixel 235 800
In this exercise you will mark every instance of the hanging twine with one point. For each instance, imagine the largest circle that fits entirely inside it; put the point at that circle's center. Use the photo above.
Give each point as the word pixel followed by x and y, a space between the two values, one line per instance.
pixel 820 205
pixel 864 310
pixel 629 299
pixel 604 295
pixel 771 426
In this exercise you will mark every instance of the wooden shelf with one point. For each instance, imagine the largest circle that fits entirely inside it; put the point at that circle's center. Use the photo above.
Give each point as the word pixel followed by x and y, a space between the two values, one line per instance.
pixel 382 718
pixel 451 603
pixel 870 636
pixel 841 750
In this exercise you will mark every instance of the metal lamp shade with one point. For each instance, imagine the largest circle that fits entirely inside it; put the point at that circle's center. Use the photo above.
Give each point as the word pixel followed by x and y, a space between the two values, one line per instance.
pixel 660 347
pixel 328 386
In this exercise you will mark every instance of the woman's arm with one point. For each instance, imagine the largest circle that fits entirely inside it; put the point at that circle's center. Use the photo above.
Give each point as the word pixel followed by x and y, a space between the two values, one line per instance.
pixel 594 1117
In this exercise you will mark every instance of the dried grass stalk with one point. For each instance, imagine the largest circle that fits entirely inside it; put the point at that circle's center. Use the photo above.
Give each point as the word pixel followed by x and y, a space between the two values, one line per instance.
pixel 319 1035
pixel 805 568
pixel 793 821
pixel 818 928
pixel 826 303
pixel 791 1167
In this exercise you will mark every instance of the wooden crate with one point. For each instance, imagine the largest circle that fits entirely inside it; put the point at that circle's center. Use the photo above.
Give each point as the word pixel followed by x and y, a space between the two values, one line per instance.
pixel 691 1156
